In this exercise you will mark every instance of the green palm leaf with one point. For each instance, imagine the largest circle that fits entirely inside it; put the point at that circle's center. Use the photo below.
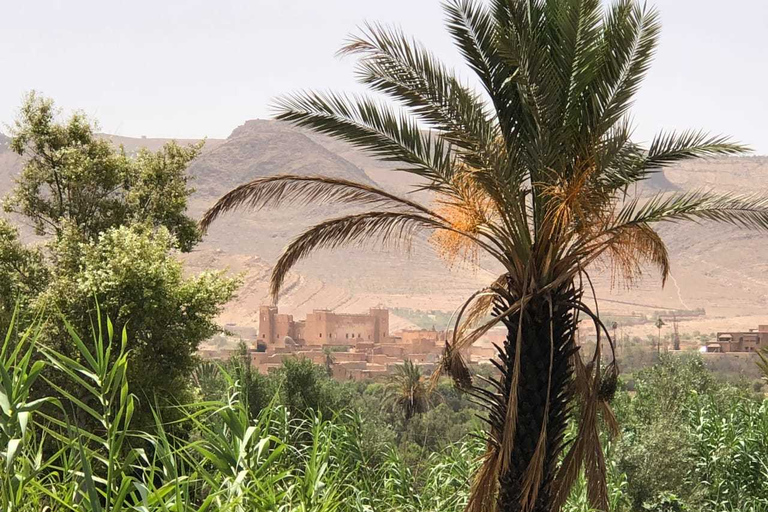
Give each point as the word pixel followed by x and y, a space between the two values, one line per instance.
pixel 283 190
pixel 385 229
pixel 380 130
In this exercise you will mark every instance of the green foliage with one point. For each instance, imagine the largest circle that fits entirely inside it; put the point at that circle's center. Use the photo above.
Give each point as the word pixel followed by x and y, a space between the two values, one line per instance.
pixel 236 458
pixel 663 390
pixel 74 177
pixel 657 459
pixel 691 441
pixel 18 374
pixel 306 387
pixel 731 445
pixel 135 278
pixel 112 225
pixel 23 272
pixel 236 461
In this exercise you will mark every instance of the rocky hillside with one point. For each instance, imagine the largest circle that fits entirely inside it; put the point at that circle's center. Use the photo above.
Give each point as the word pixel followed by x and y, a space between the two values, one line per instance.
pixel 720 269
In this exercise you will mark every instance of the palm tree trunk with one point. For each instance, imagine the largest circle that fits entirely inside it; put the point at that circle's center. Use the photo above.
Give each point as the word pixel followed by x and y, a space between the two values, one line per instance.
pixel 547 339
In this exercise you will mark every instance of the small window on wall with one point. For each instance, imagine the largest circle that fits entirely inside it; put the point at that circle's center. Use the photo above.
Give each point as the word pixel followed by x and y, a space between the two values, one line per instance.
pixel 321 335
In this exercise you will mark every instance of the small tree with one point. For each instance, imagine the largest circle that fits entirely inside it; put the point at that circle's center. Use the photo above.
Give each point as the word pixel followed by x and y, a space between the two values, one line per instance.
pixel 407 391
pixel 112 224
pixel 659 324
pixel 74 177
pixel 138 282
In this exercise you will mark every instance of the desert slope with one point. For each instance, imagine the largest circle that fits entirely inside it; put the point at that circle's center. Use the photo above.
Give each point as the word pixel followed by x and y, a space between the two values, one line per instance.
pixel 719 268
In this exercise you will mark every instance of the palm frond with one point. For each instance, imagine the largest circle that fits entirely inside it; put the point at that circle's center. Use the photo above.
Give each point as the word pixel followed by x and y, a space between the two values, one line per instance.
pixel 524 101
pixel 479 307
pixel 402 68
pixel 575 40
pixel 670 147
pixel 387 229
pixel 748 211
pixel 475 32
pixel 378 129
pixel 289 189
pixel 631 36
pixel 629 249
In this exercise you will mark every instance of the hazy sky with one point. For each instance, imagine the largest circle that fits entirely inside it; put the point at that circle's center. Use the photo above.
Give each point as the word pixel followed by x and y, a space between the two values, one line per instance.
pixel 190 68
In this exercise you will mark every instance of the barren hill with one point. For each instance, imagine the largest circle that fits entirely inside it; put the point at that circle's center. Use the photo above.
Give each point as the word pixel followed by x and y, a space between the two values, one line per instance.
pixel 717 268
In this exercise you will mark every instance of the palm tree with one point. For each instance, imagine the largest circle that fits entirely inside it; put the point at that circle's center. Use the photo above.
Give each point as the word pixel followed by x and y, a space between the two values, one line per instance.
pixel 535 168
pixel 407 390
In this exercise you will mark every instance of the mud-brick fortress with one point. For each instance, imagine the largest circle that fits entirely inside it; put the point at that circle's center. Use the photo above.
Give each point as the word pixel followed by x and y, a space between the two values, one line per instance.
pixel 352 346
pixel 323 328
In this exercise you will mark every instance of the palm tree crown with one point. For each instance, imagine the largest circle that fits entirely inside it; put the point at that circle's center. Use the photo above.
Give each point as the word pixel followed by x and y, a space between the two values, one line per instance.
pixel 407 390
pixel 534 168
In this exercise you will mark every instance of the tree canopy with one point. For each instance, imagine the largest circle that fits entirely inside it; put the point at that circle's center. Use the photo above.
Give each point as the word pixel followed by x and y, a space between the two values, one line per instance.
pixel 111 225
pixel 72 175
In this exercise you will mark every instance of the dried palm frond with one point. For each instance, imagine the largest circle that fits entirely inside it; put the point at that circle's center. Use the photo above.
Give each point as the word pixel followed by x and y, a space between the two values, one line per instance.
pixel 510 426
pixel 482 495
pixel 452 361
pixel 479 306
pixel 469 210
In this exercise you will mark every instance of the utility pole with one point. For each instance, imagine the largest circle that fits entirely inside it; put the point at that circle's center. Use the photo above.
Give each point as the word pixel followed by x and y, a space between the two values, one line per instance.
pixel 659 324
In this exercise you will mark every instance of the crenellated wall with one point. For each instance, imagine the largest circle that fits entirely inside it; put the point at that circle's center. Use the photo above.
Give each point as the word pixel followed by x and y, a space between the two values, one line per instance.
pixel 327 328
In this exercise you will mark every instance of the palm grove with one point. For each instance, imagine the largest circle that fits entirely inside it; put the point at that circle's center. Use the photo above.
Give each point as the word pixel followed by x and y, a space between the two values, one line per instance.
pixel 535 168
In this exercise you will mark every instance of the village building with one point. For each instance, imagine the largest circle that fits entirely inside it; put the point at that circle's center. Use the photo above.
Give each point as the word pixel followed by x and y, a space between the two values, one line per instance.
pixel 749 341
pixel 354 346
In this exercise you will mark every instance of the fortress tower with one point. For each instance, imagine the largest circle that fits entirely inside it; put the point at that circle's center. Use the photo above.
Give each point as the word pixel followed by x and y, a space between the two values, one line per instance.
pixel 267 316
pixel 275 327
pixel 382 323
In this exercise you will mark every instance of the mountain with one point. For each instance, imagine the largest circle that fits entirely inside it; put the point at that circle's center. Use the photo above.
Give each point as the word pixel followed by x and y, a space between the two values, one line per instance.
pixel 10 165
pixel 264 148
pixel 720 269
